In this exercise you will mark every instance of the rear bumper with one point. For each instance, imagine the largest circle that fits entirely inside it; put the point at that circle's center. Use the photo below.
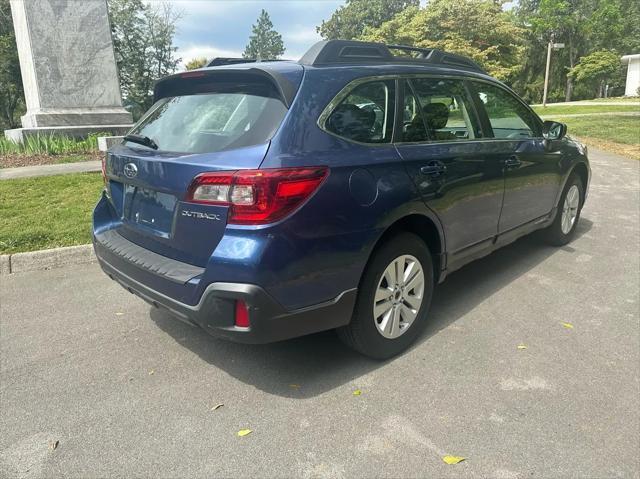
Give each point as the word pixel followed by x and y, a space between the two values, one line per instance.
pixel 269 321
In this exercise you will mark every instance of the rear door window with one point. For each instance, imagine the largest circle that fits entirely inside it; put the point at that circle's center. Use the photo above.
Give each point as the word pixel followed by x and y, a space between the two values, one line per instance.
pixel 229 116
pixel 508 117
pixel 446 109
pixel 366 114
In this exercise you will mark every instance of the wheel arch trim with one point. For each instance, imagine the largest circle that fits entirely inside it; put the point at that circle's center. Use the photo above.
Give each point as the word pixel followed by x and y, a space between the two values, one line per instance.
pixel 420 222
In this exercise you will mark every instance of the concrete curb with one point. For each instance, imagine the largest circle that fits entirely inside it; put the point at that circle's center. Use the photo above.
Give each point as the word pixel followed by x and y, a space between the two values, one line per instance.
pixel 46 259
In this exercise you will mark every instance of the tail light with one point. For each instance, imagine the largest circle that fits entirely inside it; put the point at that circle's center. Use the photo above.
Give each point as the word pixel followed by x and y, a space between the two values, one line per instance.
pixel 257 196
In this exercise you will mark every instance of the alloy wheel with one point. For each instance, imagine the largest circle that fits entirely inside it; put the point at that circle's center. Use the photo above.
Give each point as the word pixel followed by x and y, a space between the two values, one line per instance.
pixel 570 209
pixel 398 296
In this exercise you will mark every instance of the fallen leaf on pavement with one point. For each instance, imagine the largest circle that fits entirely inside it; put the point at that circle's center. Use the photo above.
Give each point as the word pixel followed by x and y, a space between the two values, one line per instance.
pixel 568 325
pixel 217 406
pixel 53 445
pixel 522 346
pixel 453 459
pixel 357 392
pixel 244 432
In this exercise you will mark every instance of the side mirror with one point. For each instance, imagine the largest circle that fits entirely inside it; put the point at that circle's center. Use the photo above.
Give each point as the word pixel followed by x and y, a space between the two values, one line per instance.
pixel 553 130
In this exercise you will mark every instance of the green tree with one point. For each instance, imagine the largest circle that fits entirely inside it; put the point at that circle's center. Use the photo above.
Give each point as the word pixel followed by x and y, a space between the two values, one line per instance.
pixel 349 21
pixel 196 63
pixel 265 43
pixel 143 43
pixel 479 29
pixel 615 24
pixel 564 21
pixel 11 93
pixel 596 68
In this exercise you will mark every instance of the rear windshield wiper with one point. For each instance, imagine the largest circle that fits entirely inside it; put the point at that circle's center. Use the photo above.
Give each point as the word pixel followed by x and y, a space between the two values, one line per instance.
pixel 141 140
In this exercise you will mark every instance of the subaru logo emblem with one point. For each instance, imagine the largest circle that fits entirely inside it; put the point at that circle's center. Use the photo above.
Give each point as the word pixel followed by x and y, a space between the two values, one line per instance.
pixel 130 170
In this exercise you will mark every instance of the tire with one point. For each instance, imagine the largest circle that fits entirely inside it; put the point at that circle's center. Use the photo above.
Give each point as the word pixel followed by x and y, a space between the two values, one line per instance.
pixel 563 228
pixel 375 337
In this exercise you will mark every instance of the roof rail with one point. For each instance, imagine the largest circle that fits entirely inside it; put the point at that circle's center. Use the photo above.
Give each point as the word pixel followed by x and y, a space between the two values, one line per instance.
pixel 332 52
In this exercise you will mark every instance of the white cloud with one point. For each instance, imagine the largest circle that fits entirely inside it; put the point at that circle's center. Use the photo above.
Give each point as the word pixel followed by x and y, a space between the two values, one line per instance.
pixel 301 34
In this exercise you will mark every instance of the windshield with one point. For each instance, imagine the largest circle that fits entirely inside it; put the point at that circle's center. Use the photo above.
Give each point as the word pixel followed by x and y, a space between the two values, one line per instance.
pixel 233 117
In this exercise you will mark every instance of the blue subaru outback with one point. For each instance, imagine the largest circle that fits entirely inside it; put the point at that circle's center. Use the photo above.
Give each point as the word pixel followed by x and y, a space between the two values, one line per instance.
pixel 263 201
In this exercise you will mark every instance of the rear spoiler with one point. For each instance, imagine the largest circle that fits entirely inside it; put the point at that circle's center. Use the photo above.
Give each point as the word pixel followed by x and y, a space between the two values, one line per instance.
pixel 219 61
pixel 171 85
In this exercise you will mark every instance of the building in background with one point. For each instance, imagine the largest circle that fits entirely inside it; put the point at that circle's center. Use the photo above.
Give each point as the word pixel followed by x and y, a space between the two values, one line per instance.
pixel 633 74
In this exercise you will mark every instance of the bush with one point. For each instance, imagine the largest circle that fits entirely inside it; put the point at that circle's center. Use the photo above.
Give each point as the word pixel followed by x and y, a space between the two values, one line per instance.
pixel 51 145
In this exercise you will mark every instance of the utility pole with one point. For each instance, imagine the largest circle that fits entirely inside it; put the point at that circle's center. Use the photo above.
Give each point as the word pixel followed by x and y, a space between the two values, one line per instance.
pixel 551 46
pixel 546 73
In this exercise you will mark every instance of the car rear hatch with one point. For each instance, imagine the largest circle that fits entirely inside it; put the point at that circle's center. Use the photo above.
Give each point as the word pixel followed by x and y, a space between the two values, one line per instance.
pixel 202 121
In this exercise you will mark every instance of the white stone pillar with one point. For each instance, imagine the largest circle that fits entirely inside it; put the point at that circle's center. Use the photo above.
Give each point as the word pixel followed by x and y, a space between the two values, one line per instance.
pixel 68 68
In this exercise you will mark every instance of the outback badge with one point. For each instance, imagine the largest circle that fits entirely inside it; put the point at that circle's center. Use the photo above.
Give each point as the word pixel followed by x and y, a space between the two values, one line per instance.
pixel 200 215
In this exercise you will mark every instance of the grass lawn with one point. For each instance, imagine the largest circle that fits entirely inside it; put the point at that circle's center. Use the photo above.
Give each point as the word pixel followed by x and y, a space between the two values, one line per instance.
pixel 616 133
pixel 47 212
pixel 582 109
pixel 621 129
pixel 608 127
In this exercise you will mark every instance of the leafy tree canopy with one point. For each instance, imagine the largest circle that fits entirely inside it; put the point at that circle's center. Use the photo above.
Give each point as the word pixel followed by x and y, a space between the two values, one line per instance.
pixel 597 69
pixel 349 21
pixel 598 65
pixel 143 43
pixel 584 26
pixel 265 42
pixel 196 63
pixel 478 29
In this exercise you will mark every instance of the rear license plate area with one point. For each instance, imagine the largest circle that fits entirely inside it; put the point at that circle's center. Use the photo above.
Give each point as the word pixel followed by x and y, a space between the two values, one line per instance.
pixel 149 209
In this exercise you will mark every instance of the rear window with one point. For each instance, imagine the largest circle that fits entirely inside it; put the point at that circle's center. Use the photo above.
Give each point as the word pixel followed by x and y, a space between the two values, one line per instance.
pixel 229 116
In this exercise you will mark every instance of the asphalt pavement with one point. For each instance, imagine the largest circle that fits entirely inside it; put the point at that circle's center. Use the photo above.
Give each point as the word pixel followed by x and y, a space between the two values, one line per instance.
pixel 530 367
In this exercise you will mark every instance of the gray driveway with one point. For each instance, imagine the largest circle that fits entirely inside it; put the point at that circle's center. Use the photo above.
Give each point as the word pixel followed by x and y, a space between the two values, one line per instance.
pixel 127 391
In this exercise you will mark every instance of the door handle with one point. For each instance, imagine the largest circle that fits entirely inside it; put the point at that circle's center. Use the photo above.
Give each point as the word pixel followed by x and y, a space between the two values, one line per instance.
pixel 435 168
pixel 512 162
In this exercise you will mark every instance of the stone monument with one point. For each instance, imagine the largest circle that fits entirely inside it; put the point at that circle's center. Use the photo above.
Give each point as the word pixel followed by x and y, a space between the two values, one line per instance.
pixel 68 69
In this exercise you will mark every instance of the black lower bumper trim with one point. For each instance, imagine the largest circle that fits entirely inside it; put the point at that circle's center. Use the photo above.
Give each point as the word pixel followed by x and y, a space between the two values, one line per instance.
pixel 159 265
pixel 269 321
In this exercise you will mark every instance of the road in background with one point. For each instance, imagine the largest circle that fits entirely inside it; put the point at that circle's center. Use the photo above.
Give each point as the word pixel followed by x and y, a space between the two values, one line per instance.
pixel 128 391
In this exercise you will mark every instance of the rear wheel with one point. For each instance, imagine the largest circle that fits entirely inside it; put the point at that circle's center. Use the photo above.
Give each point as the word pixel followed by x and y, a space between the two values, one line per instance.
pixel 393 300
pixel 563 228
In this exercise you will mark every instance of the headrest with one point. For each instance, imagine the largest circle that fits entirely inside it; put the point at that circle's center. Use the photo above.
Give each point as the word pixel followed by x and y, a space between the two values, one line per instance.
pixel 436 115
pixel 351 121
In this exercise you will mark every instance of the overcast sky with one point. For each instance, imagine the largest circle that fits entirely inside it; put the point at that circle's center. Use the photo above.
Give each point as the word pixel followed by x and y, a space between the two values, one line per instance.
pixel 213 28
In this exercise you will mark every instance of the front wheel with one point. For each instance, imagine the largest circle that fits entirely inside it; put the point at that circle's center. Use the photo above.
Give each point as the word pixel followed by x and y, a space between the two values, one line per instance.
pixel 393 300
pixel 563 228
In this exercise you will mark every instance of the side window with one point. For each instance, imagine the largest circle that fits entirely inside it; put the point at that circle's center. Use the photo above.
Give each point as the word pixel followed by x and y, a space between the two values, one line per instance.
pixel 446 110
pixel 366 114
pixel 508 117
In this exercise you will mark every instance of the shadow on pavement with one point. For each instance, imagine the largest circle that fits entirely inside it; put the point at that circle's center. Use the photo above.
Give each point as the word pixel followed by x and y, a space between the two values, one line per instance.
pixel 319 362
